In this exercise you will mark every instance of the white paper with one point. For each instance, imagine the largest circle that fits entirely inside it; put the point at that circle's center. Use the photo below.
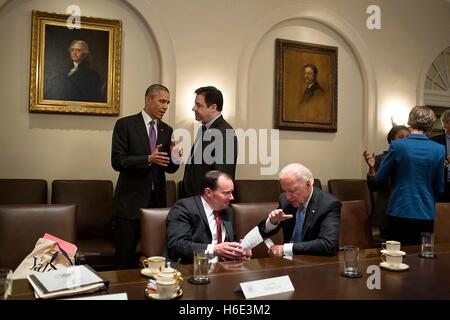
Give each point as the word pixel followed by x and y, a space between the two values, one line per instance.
pixel 251 239
pixel 69 278
pixel 115 296
pixel 269 243
pixel 259 288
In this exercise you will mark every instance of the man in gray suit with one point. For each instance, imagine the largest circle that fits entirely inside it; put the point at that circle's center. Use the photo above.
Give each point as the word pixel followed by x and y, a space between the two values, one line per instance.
pixel 308 216
pixel 204 222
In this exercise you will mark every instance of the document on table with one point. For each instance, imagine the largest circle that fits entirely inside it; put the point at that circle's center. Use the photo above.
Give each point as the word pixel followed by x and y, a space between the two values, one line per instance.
pixel 68 281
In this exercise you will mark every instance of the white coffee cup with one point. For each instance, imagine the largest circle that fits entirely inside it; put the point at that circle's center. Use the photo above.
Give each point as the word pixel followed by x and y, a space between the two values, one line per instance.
pixel 167 287
pixel 391 245
pixel 155 263
pixel 392 260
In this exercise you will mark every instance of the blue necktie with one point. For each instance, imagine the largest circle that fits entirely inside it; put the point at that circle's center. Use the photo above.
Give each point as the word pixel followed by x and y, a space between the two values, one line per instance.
pixel 299 224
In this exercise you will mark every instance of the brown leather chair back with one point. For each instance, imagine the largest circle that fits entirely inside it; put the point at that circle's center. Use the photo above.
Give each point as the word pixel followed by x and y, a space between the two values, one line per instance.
pixel 318 184
pixel 22 225
pixel 256 191
pixel 171 192
pixel 246 216
pixel 94 205
pixel 23 191
pixel 442 223
pixel 351 189
pixel 153 231
pixel 354 225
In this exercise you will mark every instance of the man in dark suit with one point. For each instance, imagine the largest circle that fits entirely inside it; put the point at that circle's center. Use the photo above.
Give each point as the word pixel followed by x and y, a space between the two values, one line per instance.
pixel 308 216
pixel 215 146
pixel 142 151
pixel 78 81
pixel 313 88
pixel 444 139
pixel 204 222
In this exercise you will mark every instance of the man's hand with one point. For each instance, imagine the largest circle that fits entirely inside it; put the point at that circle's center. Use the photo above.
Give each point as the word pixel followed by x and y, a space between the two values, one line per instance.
pixel 370 160
pixel 175 152
pixel 229 250
pixel 276 250
pixel 158 157
pixel 278 215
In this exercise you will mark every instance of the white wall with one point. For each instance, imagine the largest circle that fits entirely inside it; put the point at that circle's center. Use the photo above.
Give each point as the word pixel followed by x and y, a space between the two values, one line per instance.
pixel 230 44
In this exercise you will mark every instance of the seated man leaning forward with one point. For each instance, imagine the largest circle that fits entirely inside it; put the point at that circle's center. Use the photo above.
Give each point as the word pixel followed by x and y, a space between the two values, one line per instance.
pixel 308 216
pixel 204 222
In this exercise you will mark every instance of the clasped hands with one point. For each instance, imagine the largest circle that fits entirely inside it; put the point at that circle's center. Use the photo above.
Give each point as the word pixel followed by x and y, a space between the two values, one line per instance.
pixel 231 251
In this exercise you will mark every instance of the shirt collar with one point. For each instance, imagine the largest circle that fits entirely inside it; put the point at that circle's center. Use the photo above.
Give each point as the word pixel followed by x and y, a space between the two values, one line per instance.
pixel 147 118
pixel 305 205
pixel 206 207
pixel 210 122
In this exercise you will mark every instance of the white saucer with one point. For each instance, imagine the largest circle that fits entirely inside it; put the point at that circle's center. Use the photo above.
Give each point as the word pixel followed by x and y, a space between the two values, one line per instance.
pixel 154 294
pixel 148 273
pixel 393 253
pixel 387 266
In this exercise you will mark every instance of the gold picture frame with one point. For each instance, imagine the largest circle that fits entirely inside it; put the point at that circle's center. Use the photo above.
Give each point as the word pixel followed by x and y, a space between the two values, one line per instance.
pixel 90 86
pixel 305 86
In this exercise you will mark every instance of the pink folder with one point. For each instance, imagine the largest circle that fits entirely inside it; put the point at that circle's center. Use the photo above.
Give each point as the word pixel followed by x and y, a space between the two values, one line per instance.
pixel 70 248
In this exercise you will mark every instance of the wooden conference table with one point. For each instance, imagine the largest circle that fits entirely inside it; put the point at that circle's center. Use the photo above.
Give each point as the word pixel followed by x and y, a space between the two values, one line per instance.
pixel 313 278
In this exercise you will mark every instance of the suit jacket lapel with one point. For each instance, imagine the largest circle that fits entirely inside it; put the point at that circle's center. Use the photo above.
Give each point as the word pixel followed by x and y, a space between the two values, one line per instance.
pixel 202 212
pixel 311 212
pixel 161 132
pixel 142 132
pixel 225 215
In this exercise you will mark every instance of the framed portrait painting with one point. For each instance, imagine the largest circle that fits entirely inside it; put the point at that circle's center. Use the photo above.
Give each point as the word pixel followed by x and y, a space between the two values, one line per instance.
pixel 305 86
pixel 75 70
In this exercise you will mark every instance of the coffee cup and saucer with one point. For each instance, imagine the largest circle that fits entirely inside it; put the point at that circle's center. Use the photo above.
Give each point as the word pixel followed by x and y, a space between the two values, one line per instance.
pixel 153 265
pixel 392 256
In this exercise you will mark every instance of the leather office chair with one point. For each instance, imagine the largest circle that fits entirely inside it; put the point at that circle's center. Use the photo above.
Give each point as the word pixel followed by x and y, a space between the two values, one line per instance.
pixel 94 218
pixel 318 184
pixel 22 225
pixel 355 189
pixel 442 223
pixel 153 231
pixel 246 216
pixel 350 189
pixel 256 190
pixel 354 225
pixel 171 192
pixel 23 191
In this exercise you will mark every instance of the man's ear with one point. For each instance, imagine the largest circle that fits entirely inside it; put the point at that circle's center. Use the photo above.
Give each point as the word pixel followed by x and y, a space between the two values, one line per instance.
pixel 208 192
pixel 213 107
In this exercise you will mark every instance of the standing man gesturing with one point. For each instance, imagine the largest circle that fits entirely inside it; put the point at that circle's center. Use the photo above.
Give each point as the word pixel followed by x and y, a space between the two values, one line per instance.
pixel 141 152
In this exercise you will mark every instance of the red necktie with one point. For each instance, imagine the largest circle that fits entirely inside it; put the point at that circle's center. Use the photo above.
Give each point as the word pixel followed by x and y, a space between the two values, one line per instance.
pixel 218 226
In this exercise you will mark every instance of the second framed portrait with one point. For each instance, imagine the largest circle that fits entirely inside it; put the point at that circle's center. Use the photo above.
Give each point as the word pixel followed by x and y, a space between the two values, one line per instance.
pixel 305 86
pixel 75 69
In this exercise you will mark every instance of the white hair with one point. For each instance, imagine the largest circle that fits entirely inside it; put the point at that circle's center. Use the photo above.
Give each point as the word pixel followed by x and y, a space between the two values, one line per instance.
pixel 301 172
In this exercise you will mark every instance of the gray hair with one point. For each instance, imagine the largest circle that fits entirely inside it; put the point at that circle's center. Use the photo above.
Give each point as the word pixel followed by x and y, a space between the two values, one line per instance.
pixel 301 172
pixel 445 116
pixel 421 118
pixel 83 44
